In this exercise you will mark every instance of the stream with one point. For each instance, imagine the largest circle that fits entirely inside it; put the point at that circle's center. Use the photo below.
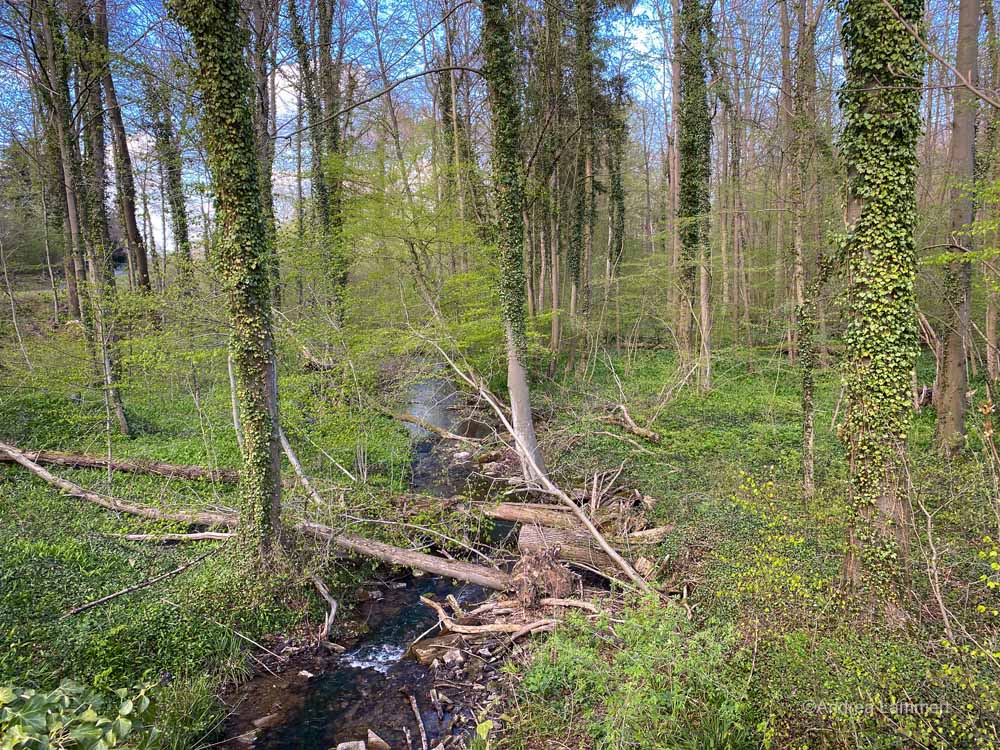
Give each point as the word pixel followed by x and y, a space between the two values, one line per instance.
pixel 369 687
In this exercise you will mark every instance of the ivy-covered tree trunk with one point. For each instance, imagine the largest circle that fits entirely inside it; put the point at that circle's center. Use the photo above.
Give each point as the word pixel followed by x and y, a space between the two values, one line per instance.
pixel 242 256
pixel 988 166
pixel 880 102
pixel 694 144
pixel 581 249
pixel 951 402
pixel 505 113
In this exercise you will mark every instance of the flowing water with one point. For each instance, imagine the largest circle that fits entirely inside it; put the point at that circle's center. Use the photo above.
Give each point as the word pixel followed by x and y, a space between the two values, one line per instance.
pixel 368 687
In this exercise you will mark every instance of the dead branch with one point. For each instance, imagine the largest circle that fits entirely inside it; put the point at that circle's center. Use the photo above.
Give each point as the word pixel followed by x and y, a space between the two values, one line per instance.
pixel 497 627
pixel 145 584
pixel 201 536
pixel 628 424
pixel 420 721
pixel 324 592
pixel 202 518
pixel 625 439
pixel 424 424
pixel 576 603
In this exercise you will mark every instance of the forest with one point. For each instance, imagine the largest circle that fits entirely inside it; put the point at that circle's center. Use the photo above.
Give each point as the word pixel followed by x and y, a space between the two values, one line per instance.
pixel 499 374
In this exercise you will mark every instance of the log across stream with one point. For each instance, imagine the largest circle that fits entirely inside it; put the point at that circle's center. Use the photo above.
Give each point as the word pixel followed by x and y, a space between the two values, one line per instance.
pixel 369 686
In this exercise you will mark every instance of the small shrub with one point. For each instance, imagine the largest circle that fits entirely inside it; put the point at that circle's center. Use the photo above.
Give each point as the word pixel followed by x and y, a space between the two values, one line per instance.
pixel 74 716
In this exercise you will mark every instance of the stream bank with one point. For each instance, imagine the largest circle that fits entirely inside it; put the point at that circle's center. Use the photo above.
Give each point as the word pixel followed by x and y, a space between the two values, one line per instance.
pixel 315 699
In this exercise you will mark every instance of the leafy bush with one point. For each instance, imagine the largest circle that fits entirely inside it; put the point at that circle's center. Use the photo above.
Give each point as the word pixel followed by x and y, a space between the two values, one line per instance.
pixel 74 716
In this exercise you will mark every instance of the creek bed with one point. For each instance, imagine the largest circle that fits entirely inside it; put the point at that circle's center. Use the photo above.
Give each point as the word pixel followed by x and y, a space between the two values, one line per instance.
pixel 369 686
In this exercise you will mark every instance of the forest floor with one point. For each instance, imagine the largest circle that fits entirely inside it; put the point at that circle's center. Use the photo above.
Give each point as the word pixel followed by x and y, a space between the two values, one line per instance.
pixel 754 644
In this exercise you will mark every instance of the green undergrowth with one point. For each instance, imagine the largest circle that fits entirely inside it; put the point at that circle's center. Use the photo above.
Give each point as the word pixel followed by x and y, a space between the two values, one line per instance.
pixel 186 635
pixel 767 649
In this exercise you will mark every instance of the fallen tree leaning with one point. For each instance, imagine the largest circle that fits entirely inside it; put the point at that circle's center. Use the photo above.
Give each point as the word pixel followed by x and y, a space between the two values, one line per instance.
pixel 130 466
pixel 544 483
pixel 463 571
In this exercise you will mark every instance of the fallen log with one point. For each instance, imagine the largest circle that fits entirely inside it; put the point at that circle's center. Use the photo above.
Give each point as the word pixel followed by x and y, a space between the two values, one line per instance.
pixel 314 363
pixel 574 547
pixel 654 535
pixel 463 571
pixel 130 466
pixel 531 514
pixel 201 518
pixel 624 420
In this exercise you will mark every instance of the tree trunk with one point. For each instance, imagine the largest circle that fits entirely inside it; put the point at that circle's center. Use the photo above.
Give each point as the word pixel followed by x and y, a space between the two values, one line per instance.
pixel 123 162
pixel 951 401
pixel 882 124
pixel 575 546
pixel 168 153
pixel 695 138
pixel 505 112
pixel 242 256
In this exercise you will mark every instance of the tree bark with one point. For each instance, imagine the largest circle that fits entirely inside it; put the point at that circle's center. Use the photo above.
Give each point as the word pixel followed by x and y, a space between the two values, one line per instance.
pixel 951 401
pixel 123 161
pixel 574 546
pixel 882 123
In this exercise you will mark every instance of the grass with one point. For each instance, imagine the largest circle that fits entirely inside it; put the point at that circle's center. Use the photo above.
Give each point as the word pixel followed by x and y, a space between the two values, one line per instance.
pixel 187 634
pixel 769 651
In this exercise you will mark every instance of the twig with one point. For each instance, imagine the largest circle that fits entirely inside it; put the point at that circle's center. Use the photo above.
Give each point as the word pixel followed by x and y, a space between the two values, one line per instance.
pixel 551 602
pixel 420 721
pixel 145 584
pixel 497 627
pixel 961 77
pixel 626 439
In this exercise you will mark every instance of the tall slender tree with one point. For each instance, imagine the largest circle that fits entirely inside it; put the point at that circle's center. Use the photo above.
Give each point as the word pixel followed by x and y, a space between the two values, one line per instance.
pixel 951 402
pixel 168 152
pixel 124 175
pixel 505 114
pixel 694 144
pixel 242 256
